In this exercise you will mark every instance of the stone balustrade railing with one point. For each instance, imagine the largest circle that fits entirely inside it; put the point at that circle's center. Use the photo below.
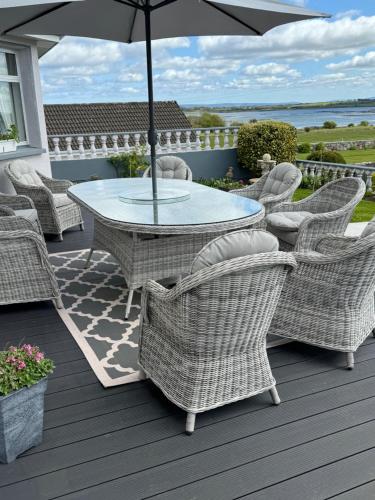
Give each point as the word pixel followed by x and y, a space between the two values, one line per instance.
pixel 337 170
pixel 86 146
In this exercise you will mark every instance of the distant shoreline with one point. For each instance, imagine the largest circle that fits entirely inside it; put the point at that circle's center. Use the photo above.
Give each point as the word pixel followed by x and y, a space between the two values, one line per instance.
pixel 359 103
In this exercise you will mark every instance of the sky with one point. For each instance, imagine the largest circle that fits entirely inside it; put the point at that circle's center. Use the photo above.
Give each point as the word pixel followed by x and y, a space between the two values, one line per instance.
pixel 307 61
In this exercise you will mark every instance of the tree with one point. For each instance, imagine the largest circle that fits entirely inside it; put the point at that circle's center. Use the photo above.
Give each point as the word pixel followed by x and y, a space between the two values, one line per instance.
pixel 329 124
pixel 207 120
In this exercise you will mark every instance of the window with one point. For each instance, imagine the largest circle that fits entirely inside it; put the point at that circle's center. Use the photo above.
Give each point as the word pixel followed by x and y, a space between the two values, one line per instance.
pixel 11 108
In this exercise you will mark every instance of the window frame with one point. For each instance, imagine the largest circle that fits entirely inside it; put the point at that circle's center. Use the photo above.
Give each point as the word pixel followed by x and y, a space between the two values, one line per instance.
pixel 16 79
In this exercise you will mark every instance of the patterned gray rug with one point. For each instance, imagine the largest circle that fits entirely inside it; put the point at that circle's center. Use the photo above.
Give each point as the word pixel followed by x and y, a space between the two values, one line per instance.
pixel 94 301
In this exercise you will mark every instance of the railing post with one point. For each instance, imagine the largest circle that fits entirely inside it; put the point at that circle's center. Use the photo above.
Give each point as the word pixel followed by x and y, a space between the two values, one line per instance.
pixel 56 148
pixel 92 146
pixel 126 143
pixel 69 150
pixel 198 144
pixel 187 140
pixel 137 138
pixel 217 139
pixel 81 147
pixel 226 138
pixel 103 140
pixel 158 143
pixel 207 139
pixel 235 137
pixel 168 136
pixel 115 143
pixel 178 141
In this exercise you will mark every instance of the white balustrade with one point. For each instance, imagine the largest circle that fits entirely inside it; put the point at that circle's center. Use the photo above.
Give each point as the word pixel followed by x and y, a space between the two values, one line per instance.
pixel 84 146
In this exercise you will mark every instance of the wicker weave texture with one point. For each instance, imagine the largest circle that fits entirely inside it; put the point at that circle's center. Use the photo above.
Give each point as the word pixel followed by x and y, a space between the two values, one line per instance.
pixel 331 206
pixel 328 300
pixel 25 272
pixel 204 341
pixel 53 220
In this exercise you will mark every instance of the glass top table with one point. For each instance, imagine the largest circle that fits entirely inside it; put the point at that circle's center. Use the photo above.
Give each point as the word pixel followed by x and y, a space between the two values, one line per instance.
pixel 204 210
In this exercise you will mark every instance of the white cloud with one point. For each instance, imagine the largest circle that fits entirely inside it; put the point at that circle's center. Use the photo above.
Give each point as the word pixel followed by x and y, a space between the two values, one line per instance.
pixel 365 61
pixel 131 77
pixel 314 39
pixel 271 69
pixel 130 90
pixel 348 13
pixel 82 53
pixel 182 75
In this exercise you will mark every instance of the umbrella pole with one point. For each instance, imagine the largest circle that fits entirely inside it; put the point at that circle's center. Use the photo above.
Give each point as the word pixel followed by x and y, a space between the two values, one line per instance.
pixel 151 132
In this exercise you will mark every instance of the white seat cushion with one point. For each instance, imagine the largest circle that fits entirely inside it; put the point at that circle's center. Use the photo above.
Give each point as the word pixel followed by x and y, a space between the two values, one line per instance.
pixel 61 200
pixel 233 245
pixel 286 221
pixel 171 167
pixel 29 214
pixel 287 236
pixel 279 179
pixel 25 174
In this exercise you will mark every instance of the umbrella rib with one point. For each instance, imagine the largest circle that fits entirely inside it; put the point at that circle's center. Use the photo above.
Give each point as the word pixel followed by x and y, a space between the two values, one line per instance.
pixel 130 3
pixel 132 26
pixel 38 16
pixel 162 4
pixel 233 17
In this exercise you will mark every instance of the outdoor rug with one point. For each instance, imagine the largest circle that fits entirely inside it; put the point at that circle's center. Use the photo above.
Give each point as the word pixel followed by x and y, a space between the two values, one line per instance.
pixel 94 308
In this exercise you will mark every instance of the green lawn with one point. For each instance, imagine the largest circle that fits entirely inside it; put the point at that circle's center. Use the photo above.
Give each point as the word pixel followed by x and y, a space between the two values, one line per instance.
pixel 364 212
pixel 351 157
pixel 337 134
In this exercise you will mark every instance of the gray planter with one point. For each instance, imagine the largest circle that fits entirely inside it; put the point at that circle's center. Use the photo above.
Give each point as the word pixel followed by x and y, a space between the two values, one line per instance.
pixel 21 420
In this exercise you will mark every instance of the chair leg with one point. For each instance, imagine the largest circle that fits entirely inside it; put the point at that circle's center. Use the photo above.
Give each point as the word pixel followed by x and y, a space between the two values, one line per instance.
pixel 59 303
pixel 373 332
pixel 87 265
pixel 190 423
pixel 60 237
pixel 275 396
pixel 129 303
pixel 82 226
pixel 350 360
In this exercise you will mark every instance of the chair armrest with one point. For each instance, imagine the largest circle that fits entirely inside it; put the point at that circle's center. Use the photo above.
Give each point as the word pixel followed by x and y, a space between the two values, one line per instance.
pixel 252 192
pixel 16 202
pixel 5 211
pixel 332 243
pixel 14 223
pixel 55 185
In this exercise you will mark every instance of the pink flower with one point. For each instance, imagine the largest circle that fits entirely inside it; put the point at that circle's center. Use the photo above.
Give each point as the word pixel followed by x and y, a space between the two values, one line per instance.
pixel 11 360
pixel 12 349
pixel 21 365
pixel 38 357
pixel 28 349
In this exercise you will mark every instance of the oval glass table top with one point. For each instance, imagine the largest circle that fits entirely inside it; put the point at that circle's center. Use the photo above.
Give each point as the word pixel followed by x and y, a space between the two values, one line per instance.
pixel 205 206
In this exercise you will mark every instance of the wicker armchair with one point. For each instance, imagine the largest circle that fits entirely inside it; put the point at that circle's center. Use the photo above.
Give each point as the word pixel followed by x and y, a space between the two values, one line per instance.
pixel 20 206
pixel 56 211
pixel 272 188
pixel 171 167
pixel 328 301
pixel 201 342
pixel 26 274
pixel 329 210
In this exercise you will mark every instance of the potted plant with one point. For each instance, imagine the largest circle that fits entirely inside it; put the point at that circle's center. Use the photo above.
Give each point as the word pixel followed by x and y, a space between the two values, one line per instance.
pixel 8 141
pixel 131 164
pixel 23 382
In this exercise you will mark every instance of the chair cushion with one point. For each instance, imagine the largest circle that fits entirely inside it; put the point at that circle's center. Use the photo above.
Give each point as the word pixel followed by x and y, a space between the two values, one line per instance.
pixel 233 245
pixel 30 214
pixel 61 200
pixel 172 167
pixel 279 179
pixel 286 221
pixel 369 229
pixel 287 236
pixel 25 173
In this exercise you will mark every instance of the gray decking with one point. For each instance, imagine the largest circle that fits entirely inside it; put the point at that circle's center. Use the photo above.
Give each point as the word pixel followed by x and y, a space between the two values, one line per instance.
pixel 128 442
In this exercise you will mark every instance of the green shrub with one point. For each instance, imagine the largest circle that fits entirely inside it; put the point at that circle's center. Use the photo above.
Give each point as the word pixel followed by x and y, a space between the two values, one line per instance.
pixel 364 123
pixel 320 147
pixel 307 129
pixel 327 157
pixel 10 134
pixel 126 164
pixel 304 148
pixel 276 138
pixel 225 184
pixel 351 125
pixel 207 120
pixel 329 124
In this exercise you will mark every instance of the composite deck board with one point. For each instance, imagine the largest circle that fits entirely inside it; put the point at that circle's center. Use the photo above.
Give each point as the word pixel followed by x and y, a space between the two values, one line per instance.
pixel 127 442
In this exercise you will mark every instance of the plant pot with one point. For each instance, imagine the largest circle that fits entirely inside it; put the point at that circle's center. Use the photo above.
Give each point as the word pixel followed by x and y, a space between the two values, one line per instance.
pixel 8 146
pixel 21 420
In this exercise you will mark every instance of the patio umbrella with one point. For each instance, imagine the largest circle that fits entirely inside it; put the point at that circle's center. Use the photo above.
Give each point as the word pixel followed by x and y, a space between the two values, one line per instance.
pixel 145 20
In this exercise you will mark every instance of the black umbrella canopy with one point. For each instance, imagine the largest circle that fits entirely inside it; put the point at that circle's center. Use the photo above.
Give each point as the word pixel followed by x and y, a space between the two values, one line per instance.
pixel 145 20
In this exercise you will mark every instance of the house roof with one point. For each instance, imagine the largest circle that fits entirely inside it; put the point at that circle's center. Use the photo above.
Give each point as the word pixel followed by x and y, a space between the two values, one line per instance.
pixel 105 118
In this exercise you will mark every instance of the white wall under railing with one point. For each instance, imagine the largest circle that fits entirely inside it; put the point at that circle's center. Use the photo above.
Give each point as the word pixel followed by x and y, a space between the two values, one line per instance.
pixel 86 146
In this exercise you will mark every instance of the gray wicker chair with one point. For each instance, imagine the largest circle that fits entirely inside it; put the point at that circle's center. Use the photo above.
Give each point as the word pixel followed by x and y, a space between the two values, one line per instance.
pixel 56 211
pixel 26 274
pixel 20 206
pixel 203 342
pixel 171 167
pixel 329 210
pixel 272 188
pixel 328 301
